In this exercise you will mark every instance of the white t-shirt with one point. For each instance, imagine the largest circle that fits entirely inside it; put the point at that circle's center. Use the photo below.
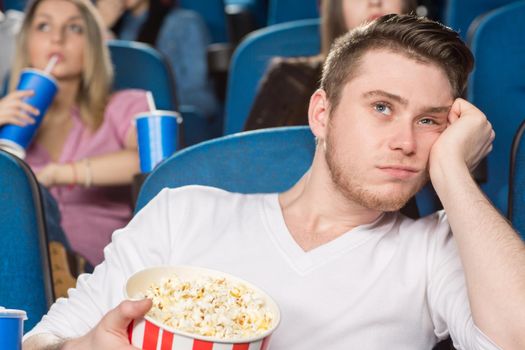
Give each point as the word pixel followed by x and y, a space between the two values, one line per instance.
pixel 393 284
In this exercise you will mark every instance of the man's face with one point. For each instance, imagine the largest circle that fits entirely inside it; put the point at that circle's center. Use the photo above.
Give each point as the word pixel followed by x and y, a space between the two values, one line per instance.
pixel 378 138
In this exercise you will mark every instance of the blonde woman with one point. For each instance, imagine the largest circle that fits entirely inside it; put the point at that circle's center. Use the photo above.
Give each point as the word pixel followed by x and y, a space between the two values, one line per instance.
pixel 85 150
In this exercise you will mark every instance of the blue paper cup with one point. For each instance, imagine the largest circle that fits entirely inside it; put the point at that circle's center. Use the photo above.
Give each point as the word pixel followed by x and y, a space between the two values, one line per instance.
pixel 157 133
pixel 11 328
pixel 16 138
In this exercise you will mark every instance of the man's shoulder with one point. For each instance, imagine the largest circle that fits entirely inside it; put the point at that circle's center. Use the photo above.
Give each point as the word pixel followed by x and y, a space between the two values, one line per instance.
pixel 206 193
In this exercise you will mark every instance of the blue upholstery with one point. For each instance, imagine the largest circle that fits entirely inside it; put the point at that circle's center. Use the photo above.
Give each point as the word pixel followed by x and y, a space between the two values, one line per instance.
pixel 497 87
pixel 213 13
pixel 13 5
pixel 267 160
pixel 25 275
pixel 140 66
pixel 459 14
pixel 291 10
pixel 517 182
pixel 251 58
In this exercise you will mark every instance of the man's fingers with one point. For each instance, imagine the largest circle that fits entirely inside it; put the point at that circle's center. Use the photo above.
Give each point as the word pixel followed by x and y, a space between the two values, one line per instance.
pixel 120 317
pixel 455 111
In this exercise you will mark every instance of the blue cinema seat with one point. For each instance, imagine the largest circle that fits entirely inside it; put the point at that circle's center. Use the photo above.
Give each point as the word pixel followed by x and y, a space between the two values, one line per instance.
pixel 251 59
pixel 212 11
pixel 459 14
pixel 260 161
pixel 517 182
pixel 497 87
pixel 140 66
pixel 280 11
pixel 25 272
pixel 18 5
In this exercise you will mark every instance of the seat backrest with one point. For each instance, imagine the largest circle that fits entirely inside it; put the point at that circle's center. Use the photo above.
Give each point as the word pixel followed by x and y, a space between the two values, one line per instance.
pixel 260 161
pixel 140 66
pixel 25 275
pixel 250 62
pixel 459 14
pixel 212 11
pixel 497 87
pixel 517 182
pixel 18 5
pixel 280 11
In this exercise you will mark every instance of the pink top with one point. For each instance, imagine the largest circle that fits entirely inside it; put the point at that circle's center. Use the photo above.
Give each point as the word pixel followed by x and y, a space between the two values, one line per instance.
pixel 89 216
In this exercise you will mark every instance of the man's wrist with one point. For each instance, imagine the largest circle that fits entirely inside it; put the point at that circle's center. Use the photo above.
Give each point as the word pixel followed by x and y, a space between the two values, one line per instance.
pixel 447 170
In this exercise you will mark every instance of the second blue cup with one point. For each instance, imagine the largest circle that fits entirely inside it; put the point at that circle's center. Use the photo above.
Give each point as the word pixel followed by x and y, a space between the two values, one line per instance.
pixel 11 328
pixel 157 133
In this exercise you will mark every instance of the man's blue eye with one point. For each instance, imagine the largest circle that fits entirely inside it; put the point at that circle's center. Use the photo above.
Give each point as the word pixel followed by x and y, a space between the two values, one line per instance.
pixel 427 121
pixel 382 108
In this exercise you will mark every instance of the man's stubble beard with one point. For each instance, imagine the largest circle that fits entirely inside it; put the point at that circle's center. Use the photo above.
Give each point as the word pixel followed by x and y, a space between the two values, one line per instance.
pixel 356 192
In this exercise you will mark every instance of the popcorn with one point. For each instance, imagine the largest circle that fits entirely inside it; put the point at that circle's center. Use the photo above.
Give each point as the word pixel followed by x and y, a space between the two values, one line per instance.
pixel 209 306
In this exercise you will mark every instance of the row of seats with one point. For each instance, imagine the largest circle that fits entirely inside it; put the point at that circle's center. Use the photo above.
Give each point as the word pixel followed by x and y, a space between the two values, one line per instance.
pixel 261 161
pixel 223 162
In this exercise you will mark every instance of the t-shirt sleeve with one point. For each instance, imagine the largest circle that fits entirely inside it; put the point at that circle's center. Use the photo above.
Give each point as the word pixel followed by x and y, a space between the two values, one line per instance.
pixel 447 293
pixel 122 108
pixel 144 242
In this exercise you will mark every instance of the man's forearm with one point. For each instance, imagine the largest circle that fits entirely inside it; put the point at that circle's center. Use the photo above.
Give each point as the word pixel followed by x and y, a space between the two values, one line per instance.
pixel 492 255
pixel 43 342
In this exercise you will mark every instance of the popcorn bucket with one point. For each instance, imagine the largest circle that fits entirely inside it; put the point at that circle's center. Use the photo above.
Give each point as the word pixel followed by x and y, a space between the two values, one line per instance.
pixel 150 334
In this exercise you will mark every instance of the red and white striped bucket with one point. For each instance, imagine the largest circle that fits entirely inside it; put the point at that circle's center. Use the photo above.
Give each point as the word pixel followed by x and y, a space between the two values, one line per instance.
pixel 148 334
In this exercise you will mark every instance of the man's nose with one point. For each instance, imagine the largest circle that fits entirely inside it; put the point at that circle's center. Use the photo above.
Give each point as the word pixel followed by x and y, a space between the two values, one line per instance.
pixel 375 2
pixel 403 139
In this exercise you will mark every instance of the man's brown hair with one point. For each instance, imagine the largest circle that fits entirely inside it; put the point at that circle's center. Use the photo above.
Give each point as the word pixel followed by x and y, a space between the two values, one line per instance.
pixel 418 38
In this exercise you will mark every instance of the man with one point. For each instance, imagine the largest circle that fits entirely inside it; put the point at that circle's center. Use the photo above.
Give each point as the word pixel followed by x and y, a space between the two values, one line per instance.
pixel 347 270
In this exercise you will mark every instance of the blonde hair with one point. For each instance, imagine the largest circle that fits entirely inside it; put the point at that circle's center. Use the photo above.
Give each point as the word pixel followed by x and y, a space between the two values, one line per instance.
pixel 333 23
pixel 97 74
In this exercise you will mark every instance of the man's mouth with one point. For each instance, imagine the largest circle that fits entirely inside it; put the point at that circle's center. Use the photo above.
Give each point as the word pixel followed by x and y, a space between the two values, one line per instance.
pixel 401 172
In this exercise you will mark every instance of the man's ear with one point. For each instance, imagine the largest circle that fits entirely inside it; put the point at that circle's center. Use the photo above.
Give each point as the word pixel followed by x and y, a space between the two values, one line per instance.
pixel 318 113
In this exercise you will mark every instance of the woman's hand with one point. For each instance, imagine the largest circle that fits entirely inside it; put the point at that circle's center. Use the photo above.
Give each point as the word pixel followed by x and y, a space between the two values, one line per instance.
pixel 54 174
pixel 48 176
pixel 13 110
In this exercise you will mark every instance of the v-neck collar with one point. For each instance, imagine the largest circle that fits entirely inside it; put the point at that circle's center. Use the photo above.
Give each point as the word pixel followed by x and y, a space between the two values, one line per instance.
pixel 72 140
pixel 304 262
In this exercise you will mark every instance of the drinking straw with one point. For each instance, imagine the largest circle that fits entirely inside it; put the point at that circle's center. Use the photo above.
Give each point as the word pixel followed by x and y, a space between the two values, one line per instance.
pixel 151 101
pixel 51 64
